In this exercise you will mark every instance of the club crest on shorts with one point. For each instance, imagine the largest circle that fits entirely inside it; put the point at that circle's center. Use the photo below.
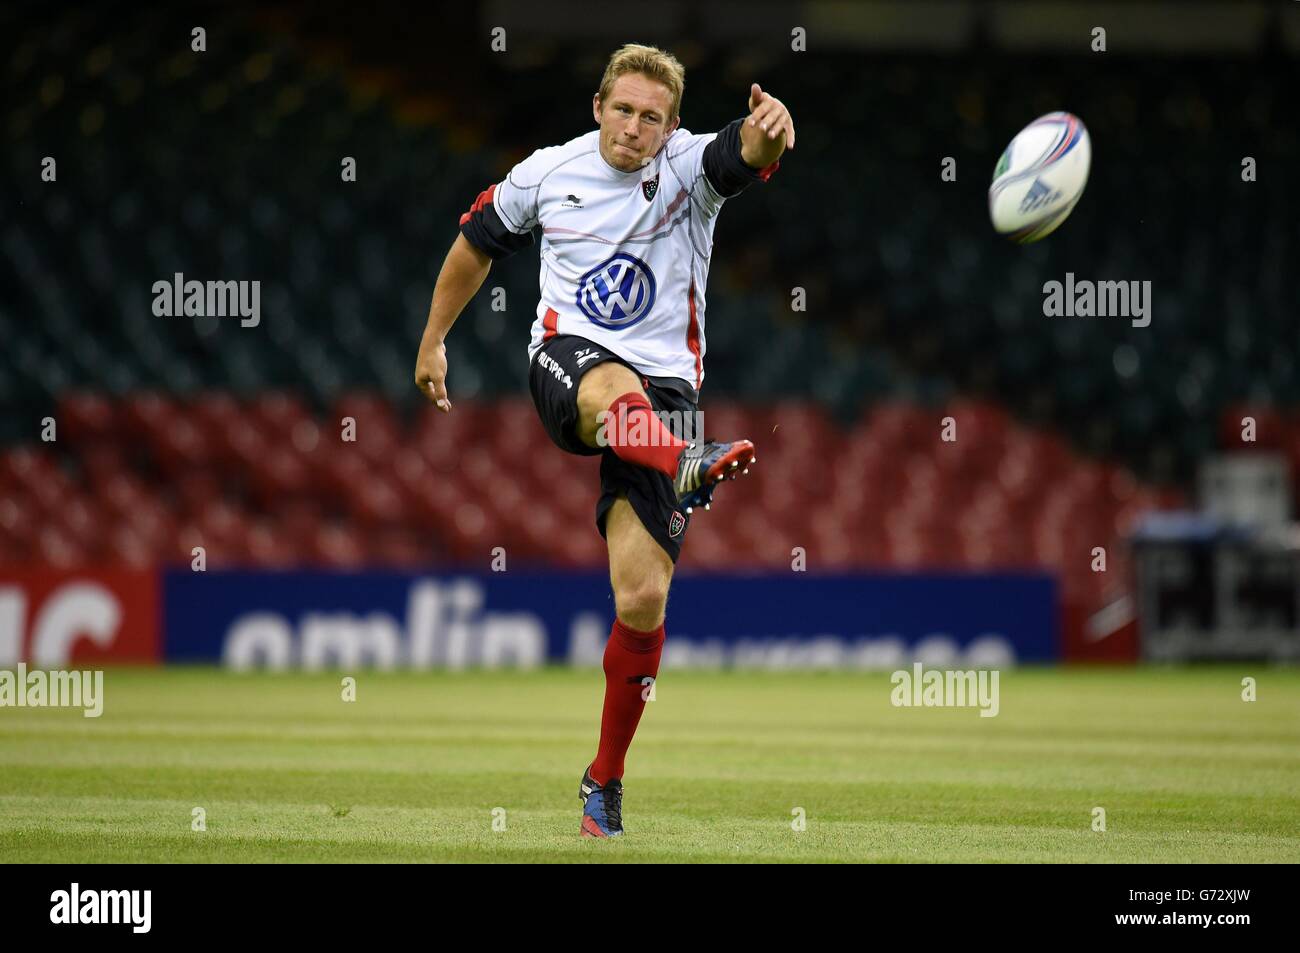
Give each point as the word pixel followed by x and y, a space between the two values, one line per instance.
pixel 676 523
pixel 649 187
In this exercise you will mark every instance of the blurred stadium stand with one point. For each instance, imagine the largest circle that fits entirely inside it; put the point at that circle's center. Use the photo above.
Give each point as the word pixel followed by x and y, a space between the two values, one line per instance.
pixel 176 431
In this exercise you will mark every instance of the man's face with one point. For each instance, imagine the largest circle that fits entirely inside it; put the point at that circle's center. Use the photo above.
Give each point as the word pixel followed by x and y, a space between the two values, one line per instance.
pixel 633 120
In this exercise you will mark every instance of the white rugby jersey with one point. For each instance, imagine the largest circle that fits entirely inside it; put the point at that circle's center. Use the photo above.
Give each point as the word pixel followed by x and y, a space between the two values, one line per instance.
pixel 624 255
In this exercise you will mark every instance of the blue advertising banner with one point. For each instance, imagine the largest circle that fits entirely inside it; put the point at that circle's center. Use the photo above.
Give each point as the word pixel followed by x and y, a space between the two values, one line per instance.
pixel 317 620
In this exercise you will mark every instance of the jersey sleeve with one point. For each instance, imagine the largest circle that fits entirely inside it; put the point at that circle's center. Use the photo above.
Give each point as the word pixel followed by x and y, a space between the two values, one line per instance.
pixel 725 170
pixel 686 158
pixel 502 218
pixel 711 166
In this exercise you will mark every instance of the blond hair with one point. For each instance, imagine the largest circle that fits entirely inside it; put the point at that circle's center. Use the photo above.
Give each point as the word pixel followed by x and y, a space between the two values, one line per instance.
pixel 658 65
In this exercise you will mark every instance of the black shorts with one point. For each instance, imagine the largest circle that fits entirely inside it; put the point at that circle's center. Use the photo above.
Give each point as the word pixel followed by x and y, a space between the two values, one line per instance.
pixel 553 379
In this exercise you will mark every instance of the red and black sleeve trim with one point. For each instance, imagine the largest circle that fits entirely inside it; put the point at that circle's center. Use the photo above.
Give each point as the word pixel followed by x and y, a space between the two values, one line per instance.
pixel 483 228
pixel 727 172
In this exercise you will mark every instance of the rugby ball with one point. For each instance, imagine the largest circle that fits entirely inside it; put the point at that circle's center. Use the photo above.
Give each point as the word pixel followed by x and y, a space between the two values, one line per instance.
pixel 1040 177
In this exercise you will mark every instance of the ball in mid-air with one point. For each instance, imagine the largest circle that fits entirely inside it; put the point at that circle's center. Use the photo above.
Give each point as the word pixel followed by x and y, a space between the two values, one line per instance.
pixel 1040 177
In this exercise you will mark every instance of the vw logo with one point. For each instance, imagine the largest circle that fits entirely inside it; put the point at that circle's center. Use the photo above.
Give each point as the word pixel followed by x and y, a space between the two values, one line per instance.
pixel 617 293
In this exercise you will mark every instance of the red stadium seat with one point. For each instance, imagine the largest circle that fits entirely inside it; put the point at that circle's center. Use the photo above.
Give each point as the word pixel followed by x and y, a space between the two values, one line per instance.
pixel 125 546
pixel 18 522
pixel 279 476
pixel 514 429
pixel 337 546
pixel 730 420
pixel 180 446
pixel 900 426
pixel 247 444
pixel 474 531
pixel 277 413
pixel 59 549
pixel 80 518
pixel 584 549
pixel 25 466
pixel 217 416
pixel 403 548
pixel 268 546
pixel 442 438
pixel 144 414
pixel 86 417
pixel 797 426
pixel 376 503
pixel 708 547
pixel 44 482
pixel 100 462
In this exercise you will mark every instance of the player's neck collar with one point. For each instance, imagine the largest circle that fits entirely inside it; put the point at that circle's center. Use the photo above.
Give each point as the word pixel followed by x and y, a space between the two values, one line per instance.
pixel 614 171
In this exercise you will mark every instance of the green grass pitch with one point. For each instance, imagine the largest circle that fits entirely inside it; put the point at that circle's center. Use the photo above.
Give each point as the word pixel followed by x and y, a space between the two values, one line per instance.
pixel 414 768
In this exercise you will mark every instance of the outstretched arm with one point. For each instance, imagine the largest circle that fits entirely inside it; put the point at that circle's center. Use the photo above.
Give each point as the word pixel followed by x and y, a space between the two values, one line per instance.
pixel 746 150
pixel 768 131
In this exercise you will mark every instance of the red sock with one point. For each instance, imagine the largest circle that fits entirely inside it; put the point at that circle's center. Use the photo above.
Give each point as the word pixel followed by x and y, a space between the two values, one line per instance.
pixel 638 436
pixel 630 656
